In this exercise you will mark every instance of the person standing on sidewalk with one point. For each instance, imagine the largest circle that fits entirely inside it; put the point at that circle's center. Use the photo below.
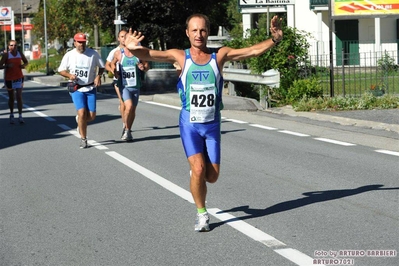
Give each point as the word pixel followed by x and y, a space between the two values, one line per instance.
pixel 200 88
pixel 121 39
pixel 79 65
pixel 126 68
pixel 13 62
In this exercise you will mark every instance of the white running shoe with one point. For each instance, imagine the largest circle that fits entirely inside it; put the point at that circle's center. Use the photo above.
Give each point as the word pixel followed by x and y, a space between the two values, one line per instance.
pixel 127 135
pixel 202 222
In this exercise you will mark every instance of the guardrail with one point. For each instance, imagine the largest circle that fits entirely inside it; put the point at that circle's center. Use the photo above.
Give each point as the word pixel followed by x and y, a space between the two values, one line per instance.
pixel 271 78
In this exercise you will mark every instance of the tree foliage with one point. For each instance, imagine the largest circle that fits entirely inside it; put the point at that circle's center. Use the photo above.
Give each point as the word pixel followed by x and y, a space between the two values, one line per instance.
pixel 160 21
pixel 65 18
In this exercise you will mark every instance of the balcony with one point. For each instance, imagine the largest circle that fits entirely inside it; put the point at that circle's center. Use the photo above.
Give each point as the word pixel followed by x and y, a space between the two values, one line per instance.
pixel 316 4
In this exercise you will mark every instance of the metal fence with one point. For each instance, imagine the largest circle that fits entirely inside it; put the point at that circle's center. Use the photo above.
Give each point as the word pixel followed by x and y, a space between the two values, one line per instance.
pixel 356 73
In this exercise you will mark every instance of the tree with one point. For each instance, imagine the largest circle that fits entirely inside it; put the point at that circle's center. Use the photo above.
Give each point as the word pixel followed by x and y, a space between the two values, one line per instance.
pixel 65 18
pixel 163 21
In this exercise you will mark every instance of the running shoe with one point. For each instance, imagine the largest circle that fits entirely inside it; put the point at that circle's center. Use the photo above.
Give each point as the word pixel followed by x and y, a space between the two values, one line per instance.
pixel 21 120
pixel 127 135
pixel 124 135
pixel 83 144
pixel 12 119
pixel 202 222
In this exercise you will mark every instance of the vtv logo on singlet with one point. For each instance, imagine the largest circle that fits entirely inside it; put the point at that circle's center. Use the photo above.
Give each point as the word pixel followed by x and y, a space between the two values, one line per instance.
pixel 200 75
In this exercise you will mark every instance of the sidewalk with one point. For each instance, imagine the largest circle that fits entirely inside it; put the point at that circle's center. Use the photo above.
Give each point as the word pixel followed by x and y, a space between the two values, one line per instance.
pixel 387 119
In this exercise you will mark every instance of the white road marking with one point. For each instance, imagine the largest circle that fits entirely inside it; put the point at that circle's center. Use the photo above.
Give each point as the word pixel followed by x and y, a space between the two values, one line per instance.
pixel 336 142
pixel 296 256
pixel 263 127
pixel 40 113
pixel 245 228
pixel 97 145
pixel 236 121
pixel 395 153
pixel 294 133
pixel 152 176
pixel 64 127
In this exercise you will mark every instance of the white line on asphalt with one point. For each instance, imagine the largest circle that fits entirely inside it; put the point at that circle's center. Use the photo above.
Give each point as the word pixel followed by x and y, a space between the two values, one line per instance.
pixel 296 256
pixel 336 142
pixel 152 176
pixel 395 153
pixel 264 127
pixel 75 133
pixel 49 118
pixel 294 133
pixel 243 227
pixel 64 127
pixel 236 121
pixel 97 145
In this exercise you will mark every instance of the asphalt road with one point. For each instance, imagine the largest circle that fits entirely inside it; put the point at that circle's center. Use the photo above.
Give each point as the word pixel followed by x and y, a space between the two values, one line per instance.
pixel 293 191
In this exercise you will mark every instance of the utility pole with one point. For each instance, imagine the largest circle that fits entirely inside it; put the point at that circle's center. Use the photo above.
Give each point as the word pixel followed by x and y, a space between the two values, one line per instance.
pixel 22 28
pixel 45 37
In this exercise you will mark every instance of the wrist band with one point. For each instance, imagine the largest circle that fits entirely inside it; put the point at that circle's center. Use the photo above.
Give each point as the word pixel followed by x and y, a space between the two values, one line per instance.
pixel 275 41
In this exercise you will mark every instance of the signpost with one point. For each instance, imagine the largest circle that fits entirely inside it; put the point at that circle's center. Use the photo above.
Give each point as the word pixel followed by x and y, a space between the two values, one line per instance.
pixel 6 18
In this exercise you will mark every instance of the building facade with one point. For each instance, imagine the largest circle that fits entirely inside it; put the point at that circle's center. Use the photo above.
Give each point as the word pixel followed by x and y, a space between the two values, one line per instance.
pixel 358 30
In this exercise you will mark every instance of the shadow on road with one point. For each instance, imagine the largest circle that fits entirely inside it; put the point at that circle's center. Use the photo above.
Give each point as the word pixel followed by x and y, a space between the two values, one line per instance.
pixel 310 198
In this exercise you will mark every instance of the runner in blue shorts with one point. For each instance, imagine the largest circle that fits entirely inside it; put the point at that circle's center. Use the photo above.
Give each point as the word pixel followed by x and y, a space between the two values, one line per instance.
pixel 203 138
pixel 80 65
pixel 129 84
pixel 200 88
pixel 84 100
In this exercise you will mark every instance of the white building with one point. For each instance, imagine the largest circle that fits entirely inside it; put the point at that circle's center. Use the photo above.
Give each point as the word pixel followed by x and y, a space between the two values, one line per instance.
pixel 360 29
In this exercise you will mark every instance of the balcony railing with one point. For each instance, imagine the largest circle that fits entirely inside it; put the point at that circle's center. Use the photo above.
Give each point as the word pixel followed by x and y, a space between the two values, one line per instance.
pixel 318 3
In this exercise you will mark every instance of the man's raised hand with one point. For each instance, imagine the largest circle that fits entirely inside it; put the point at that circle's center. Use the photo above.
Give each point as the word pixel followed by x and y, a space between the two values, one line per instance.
pixel 275 28
pixel 133 39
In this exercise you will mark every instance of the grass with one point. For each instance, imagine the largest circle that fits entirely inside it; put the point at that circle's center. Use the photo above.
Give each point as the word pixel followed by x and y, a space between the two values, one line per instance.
pixel 39 65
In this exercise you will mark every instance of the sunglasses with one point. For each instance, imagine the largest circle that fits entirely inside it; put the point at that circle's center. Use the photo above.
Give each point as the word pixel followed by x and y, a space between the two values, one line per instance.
pixel 11 45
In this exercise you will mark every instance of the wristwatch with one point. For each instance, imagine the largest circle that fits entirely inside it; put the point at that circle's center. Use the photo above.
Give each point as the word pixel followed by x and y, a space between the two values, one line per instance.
pixel 275 41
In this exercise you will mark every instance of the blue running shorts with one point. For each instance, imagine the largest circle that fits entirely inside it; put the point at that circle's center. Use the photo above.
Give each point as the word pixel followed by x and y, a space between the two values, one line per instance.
pixel 85 100
pixel 131 94
pixel 200 138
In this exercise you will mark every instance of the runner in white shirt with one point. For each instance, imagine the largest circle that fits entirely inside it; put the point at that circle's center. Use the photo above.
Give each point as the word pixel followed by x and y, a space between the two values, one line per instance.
pixel 79 65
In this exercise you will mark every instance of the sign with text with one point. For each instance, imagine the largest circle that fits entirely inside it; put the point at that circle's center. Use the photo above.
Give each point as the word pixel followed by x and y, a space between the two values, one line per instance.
pixel 365 7
pixel 243 3
pixel 5 12
pixel 18 27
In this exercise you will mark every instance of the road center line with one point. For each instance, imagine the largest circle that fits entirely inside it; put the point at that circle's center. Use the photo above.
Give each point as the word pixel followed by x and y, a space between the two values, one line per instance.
pixel 335 142
pixel 388 152
pixel 294 133
pixel 263 127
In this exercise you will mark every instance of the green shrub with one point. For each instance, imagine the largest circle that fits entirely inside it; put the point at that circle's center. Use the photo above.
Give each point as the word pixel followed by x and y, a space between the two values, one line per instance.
pixel 366 102
pixel 311 88
pixel 39 65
